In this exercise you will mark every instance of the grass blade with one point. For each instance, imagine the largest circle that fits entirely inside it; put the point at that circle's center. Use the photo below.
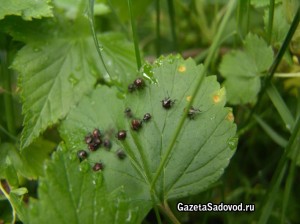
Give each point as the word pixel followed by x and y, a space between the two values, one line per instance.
pixel 270 131
pixel 135 36
pixel 92 26
pixel 269 200
pixel 281 107
pixel 8 100
pixel 270 22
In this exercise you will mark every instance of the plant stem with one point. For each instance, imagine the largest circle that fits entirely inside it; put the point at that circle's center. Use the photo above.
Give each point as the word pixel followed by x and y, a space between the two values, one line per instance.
pixel 166 209
pixel 92 26
pixel 135 36
pixel 8 134
pixel 172 23
pixel 8 100
pixel 155 207
pixel 270 22
pixel 281 107
pixel 13 221
pixel 157 28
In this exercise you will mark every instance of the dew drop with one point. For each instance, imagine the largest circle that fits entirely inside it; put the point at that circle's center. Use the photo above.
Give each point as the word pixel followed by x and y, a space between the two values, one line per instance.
pixel 55 156
pixel 72 156
pixel 84 167
pixel 128 219
pixel 232 143
pixel 36 49
pixel 109 63
pixel 97 179
pixel 72 79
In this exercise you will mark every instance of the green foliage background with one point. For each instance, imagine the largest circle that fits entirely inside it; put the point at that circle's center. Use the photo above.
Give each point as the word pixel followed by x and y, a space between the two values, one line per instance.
pixel 65 70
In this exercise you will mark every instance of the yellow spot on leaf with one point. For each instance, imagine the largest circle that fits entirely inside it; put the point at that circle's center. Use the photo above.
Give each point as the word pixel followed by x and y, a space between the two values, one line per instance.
pixel 181 68
pixel 230 116
pixel 216 98
pixel 219 95
pixel 188 98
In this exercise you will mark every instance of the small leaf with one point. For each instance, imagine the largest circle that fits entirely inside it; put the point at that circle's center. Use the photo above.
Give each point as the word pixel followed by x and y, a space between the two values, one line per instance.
pixel 201 152
pixel 28 163
pixel 68 195
pixel 242 70
pixel 27 9
pixel 19 191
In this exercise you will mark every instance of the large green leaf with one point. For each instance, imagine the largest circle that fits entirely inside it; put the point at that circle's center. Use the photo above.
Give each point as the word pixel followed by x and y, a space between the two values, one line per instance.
pixel 69 193
pixel 28 163
pixel 28 9
pixel 242 70
pixel 200 153
pixel 62 63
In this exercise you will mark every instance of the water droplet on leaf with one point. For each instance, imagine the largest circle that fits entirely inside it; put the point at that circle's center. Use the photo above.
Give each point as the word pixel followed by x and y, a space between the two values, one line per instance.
pixel 36 49
pixel 97 181
pixel 232 143
pixel 84 167
pixel 72 79
pixel 72 156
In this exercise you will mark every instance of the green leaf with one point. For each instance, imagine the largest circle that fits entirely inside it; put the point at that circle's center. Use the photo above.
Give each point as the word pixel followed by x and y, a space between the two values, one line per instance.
pixel 70 194
pixel 242 70
pixel 33 158
pixel 27 9
pixel 60 61
pixel 200 154
pixel 56 69
pixel 72 9
pixel 7 169
pixel 28 163
pixel 119 58
pixel 51 75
